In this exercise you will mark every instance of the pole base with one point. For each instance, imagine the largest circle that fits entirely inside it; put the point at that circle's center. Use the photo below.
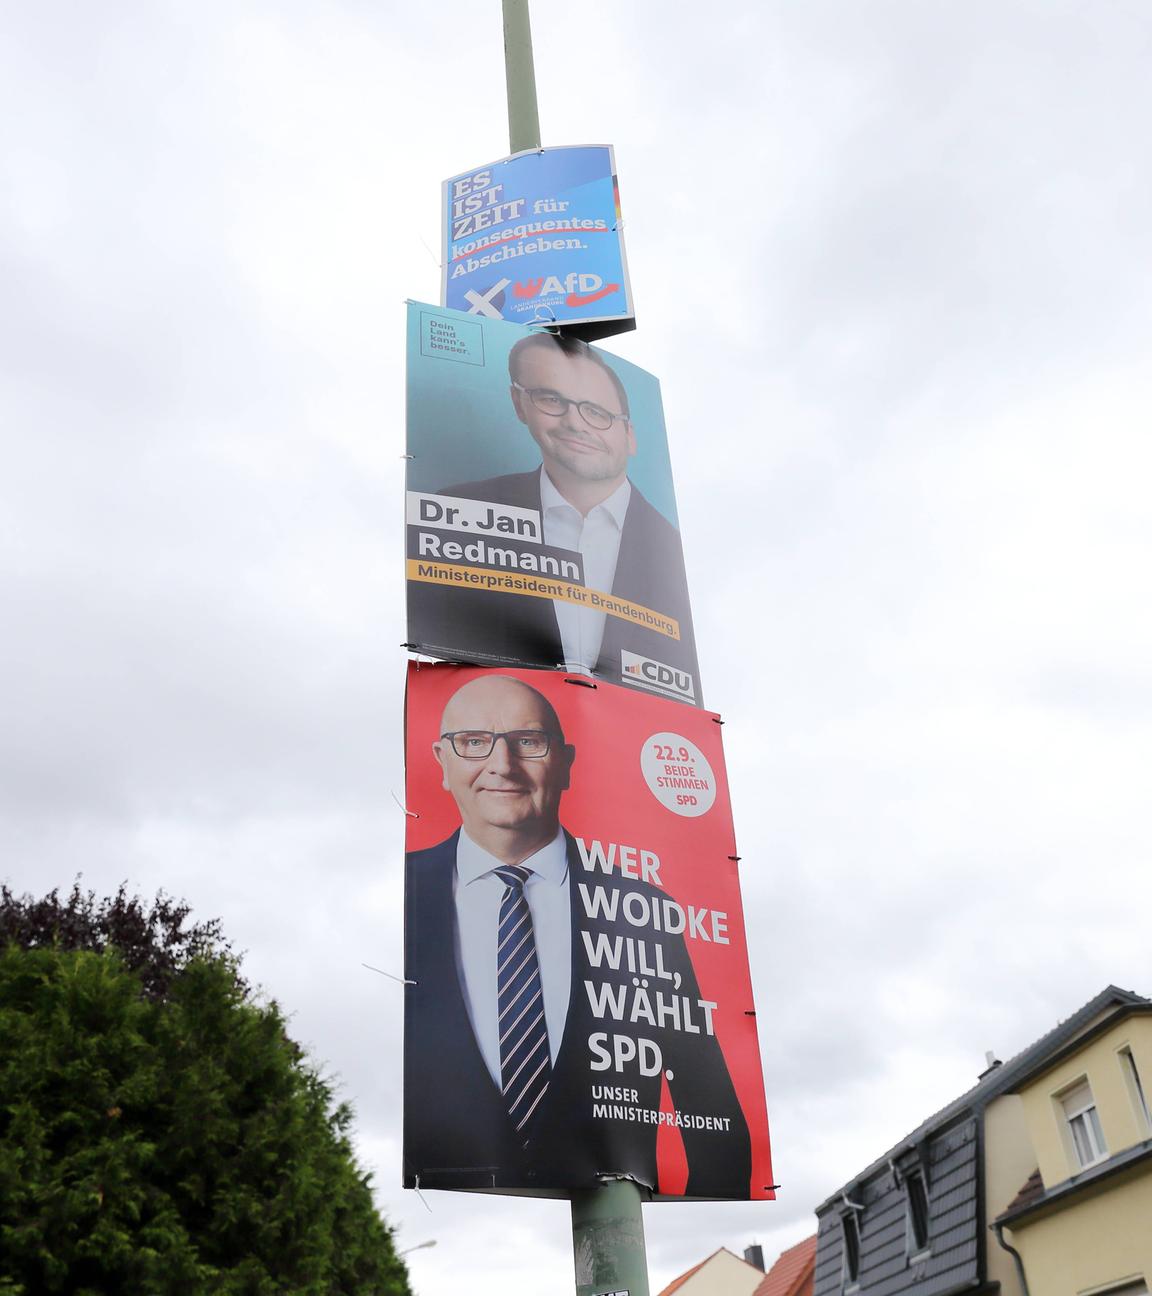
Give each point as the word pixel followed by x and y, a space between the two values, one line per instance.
pixel 608 1239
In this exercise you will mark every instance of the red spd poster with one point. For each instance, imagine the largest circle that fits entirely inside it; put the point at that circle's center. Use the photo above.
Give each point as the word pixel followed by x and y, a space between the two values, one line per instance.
pixel 578 1000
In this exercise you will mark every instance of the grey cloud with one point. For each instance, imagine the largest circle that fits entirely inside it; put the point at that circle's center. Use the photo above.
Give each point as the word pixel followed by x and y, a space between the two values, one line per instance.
pixel 891 264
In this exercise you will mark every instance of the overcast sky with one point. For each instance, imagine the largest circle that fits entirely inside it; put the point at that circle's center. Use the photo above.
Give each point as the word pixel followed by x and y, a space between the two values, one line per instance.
pixel 892 263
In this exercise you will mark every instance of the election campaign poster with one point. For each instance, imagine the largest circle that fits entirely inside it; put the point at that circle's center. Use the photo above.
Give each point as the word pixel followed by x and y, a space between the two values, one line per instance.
pixel 577 993
pixel 541 519
pixel 535 238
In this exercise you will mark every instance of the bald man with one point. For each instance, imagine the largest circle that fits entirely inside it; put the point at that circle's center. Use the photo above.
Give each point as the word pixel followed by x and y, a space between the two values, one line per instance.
pixel 500 1075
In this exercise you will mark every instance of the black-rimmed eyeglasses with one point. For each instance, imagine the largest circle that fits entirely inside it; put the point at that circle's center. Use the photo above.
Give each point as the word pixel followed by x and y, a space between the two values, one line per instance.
pixel 478 744
pixel 552 403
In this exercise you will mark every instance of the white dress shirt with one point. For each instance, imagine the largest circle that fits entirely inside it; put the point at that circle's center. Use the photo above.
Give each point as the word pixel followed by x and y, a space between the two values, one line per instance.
pixel 597 538
pixel 477 893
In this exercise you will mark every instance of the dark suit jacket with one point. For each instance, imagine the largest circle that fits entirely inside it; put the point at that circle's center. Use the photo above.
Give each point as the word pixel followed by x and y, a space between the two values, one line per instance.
pixel 456 1131
pixel 516 629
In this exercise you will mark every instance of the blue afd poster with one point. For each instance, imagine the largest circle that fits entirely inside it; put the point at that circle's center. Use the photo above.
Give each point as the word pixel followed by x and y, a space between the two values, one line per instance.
pixel 535 239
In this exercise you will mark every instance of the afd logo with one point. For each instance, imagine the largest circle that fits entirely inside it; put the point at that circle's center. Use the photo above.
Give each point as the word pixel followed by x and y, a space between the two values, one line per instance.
pixel 656 676
pixel 576 289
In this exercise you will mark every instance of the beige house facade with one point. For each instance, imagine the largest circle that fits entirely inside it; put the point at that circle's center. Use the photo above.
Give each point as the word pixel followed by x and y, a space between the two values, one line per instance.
pixel 1080 1224
pixel 722 1274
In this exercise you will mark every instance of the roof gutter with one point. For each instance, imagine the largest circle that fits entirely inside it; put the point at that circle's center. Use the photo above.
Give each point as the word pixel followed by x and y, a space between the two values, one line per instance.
pixel 998 1229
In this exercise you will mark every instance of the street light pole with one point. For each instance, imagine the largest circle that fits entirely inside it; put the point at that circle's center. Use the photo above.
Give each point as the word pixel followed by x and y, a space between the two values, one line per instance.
pixel 418 1247
pixel 607 1222
pixel 520 77
pixel 608 1239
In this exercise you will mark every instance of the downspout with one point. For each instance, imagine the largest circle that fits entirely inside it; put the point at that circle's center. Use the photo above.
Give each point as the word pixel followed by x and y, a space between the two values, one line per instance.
pixel 981 1195
pixel 998 1229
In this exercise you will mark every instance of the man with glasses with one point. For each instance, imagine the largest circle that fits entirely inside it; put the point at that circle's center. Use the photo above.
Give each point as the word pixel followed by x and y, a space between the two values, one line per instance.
pixel 499 1086
pixel 576 409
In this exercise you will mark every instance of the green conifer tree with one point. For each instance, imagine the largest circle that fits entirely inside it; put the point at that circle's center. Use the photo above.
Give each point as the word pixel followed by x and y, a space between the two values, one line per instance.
pixel 159 1132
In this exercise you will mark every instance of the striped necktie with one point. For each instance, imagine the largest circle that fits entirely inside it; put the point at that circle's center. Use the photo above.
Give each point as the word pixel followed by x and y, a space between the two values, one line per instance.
pixel 525 1063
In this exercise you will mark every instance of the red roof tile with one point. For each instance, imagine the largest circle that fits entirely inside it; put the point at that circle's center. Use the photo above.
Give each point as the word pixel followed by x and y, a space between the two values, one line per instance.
pixel 791 1271
pixel 679 1282
pixel 1032 1190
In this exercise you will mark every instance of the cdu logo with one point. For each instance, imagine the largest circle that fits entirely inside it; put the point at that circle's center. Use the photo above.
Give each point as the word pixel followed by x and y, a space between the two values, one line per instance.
pixel 656 676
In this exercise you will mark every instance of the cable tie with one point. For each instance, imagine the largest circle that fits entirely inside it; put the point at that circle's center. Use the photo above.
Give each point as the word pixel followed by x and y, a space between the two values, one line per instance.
pixel 410 813
pixel 435 258
pixel 402 980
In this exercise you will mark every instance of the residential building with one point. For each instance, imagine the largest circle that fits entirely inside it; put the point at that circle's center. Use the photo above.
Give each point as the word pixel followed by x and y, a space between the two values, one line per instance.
pixel 919 1218
pixel 721 1274
pixel 792 1273
pixel 1082 1222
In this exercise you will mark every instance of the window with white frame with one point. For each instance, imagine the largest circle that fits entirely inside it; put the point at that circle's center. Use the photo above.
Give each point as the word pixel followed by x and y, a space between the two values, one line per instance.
pixel 916 1197
pixel 1084 1130
pixel 1135 1088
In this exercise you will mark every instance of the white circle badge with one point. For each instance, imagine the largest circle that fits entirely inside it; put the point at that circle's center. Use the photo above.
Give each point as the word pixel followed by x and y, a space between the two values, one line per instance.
pixel 678 774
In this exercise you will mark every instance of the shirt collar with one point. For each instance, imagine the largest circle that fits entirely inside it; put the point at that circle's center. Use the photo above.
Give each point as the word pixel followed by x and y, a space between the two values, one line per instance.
pixel 549 862
pixel 616 505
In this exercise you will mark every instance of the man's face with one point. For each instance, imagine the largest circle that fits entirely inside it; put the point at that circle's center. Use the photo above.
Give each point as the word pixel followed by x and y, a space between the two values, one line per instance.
pixel 567 439
pixel 503 790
